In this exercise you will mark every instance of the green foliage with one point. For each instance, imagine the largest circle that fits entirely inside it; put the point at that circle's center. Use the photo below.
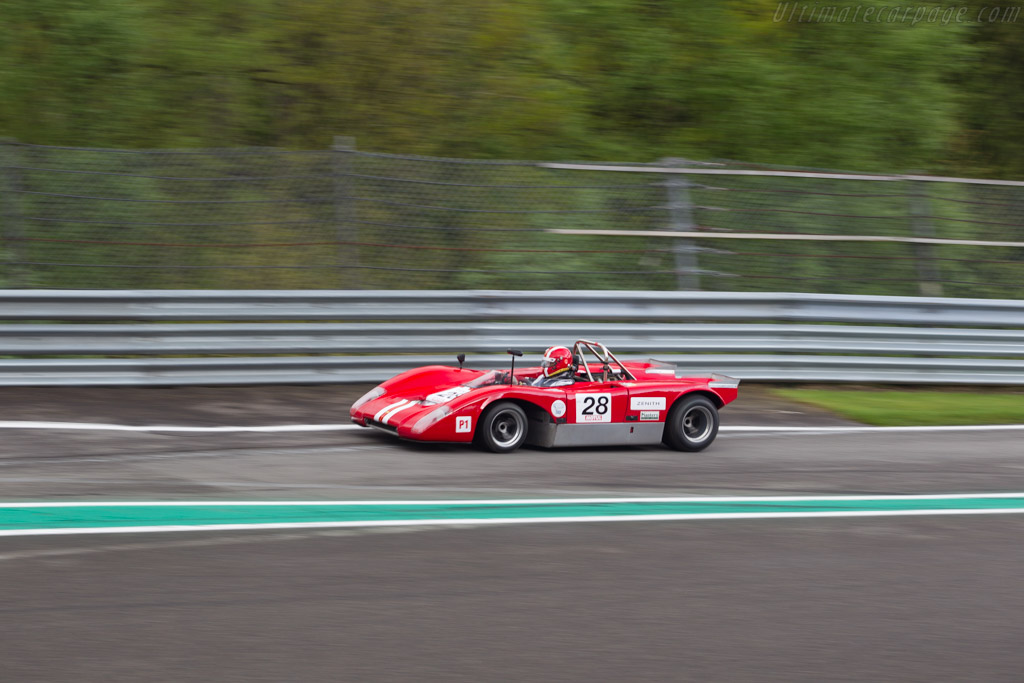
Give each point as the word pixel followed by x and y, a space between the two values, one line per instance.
pixel 990 94
pixel 532 79
pixel 726 80
pixel 633 79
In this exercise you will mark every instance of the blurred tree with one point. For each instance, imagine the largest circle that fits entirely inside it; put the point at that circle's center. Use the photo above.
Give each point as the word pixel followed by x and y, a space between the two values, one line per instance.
pixel 727 80
pixel 991 90
pixel 636 79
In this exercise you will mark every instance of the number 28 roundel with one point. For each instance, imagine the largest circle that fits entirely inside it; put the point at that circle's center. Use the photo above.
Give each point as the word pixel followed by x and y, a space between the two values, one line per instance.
pixel 593 408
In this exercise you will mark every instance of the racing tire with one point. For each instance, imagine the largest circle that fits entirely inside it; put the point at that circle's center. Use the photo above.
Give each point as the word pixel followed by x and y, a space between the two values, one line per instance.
pixel 502 429
pixel 692 424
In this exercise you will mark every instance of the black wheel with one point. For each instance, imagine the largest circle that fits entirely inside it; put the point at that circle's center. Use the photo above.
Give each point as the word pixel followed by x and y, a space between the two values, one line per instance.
pixel 502 429
pixel 692 424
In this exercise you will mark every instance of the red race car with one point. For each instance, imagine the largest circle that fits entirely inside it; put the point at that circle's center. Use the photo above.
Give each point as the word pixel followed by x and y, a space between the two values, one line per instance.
pixel 582 397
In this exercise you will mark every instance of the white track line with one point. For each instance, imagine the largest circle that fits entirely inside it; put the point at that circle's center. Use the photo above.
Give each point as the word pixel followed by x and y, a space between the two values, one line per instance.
pixel 864 429
pixel 338 427
pixel 519 501
pixel 481 522
pixel 100 426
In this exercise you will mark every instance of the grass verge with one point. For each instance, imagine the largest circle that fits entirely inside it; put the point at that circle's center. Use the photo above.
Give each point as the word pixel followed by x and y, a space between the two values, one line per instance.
pixel 903 408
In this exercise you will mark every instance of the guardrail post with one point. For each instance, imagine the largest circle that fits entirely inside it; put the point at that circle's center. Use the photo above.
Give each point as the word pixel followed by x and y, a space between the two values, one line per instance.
pixel 344 211
pixel 928 276
pixel 680 216
pixel 12 247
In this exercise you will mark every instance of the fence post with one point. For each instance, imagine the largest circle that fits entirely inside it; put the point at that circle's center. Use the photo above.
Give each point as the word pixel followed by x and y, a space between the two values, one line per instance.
pixel 928 276
pixel 344 211
pixel 12 245
pixel 680 216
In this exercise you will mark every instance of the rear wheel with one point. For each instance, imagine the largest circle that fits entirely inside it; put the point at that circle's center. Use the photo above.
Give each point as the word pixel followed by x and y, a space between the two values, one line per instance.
pixel 692 424
pixel 502 429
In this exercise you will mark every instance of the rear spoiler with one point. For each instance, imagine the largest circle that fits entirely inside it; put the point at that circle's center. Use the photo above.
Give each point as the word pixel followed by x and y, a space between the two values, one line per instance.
pixel 717 380
pixel 723 382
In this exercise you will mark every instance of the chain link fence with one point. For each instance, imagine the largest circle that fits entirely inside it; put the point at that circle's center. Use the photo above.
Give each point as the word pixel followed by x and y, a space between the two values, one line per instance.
pixel 342 218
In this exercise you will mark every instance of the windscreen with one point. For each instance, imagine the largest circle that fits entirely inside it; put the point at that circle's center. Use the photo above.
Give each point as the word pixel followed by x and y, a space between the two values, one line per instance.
pixel 484 380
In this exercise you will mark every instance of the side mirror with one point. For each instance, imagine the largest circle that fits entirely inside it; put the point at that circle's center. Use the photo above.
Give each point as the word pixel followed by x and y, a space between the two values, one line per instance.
pixel 461 358
pixel 515 353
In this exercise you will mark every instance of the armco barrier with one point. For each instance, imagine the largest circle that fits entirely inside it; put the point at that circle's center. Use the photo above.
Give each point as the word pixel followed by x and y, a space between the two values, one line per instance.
pixel 166 337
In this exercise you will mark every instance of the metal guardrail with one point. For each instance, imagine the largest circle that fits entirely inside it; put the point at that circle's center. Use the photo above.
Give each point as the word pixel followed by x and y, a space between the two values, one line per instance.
pixel 439 338
pixel 506 305
pixel 249 337
pixel 340 369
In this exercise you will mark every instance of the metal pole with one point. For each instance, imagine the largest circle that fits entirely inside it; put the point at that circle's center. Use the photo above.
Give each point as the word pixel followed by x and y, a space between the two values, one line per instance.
pixel 928 276
pixel 10 184
pixel 680 213
pixel 344 211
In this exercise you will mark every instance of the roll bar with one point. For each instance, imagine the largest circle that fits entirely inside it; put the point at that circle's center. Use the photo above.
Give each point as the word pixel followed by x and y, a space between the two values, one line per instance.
pixel 601 353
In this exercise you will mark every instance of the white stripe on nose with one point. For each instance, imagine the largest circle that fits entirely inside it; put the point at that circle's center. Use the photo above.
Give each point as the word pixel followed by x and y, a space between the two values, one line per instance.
pixel 386 408
pixel 391 413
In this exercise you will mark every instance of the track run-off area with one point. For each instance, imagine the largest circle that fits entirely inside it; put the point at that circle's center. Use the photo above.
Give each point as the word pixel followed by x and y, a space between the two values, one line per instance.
pixel 65 518
pixel 237 535
pixel 28 519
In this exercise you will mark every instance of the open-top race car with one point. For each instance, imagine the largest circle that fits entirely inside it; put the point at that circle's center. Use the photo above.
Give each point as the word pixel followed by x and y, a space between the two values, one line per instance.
pixel 582 397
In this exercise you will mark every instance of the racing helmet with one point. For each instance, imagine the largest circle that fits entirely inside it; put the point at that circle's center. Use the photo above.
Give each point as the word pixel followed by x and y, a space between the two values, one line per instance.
pixel 557 360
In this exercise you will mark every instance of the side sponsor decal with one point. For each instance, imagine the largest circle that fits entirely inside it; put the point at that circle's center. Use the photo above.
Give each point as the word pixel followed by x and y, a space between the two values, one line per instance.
pixel 446 395
pixel 463 424
pixel 558 408
pixel 649 414
pixel 647 403
pixel 593 408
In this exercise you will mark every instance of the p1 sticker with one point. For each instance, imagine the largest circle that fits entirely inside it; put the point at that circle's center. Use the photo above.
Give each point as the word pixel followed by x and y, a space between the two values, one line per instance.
pixel 463 424
pixel 649 414
pixel 593 408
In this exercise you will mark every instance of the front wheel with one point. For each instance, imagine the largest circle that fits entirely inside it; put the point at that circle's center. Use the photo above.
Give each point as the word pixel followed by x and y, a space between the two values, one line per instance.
pixel 503 428
pixel 692 424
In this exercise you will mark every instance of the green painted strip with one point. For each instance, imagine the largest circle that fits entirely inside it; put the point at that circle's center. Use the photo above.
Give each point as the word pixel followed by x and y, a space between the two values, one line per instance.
pixel 199 514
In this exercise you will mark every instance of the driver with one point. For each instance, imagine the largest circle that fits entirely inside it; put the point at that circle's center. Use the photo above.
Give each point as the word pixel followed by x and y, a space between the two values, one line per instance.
pixel 557 365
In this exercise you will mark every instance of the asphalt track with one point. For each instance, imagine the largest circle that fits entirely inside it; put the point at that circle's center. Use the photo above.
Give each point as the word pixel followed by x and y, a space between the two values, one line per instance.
pixel 819 599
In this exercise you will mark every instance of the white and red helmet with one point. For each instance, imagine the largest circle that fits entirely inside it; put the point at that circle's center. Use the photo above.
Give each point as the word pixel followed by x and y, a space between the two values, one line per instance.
pixel 557 360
